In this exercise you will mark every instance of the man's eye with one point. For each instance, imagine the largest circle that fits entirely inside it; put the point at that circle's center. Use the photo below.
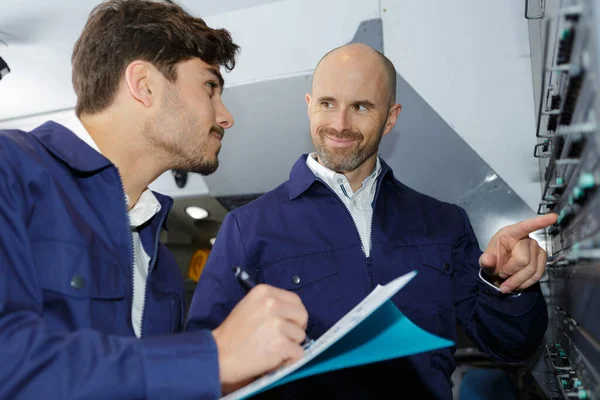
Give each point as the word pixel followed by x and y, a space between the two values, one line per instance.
pixel 326 104
pixel 212 86
pixel 359 107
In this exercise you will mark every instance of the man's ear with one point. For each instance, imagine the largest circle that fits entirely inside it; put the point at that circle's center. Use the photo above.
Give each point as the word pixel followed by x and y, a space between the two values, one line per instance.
pixel 137 78
pixel 308 100
pixel 392 118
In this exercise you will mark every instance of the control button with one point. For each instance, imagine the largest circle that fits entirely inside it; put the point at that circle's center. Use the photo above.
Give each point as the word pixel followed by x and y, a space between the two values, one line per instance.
pixel 447 266
pixel 567 214
pixel 77 282
pixel 295 279
pixel 587 181
pixel 577 193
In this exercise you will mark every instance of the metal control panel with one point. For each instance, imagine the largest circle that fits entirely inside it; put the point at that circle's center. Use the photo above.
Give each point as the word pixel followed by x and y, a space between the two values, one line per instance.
pixel 568 132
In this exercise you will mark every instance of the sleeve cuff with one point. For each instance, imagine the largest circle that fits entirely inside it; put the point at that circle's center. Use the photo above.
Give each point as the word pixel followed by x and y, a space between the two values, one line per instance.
pixel 184 365
pixel 495 289
pixel 510 303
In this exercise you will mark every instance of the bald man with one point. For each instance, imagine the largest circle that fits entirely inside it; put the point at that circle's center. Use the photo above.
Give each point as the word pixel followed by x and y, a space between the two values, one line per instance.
pixel 342 224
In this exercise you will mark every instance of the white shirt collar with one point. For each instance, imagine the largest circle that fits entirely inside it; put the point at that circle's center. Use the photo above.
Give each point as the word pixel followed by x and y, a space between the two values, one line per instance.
pixel 75 126
pixel 147 205
pixel 332 178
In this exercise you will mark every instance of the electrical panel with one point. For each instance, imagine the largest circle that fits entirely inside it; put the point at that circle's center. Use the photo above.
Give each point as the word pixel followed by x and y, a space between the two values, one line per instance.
pixel 568 132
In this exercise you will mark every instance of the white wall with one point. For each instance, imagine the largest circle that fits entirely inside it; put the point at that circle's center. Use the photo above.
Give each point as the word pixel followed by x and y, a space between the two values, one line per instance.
pixel 288 38
pixel 470 61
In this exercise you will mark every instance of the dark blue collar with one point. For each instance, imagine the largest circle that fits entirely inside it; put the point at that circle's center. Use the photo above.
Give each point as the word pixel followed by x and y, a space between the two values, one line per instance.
pixel 73 151
pixel 302 178
pixel 79 156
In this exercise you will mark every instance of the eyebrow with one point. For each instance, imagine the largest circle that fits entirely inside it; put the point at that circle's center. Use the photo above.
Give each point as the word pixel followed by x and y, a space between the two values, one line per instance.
pixel 326 98
pixel 217 74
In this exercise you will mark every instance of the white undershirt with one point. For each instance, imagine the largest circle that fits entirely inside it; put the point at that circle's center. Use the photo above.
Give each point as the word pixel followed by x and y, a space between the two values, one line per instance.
pixel 145 208
pixel 358 203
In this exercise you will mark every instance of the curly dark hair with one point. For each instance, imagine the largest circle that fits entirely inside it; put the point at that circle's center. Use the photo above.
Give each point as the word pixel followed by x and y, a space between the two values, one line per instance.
pixel 120 31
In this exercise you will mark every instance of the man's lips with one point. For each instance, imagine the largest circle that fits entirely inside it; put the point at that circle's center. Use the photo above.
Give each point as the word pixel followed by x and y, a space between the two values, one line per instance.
pixel 339 142
pixel 216 135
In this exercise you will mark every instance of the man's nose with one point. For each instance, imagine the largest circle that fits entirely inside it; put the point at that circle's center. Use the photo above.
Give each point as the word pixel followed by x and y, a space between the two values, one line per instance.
pixel 224 117
pixel 341 121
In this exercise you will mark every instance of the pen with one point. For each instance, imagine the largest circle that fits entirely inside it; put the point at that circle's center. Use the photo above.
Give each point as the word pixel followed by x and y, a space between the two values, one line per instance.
pixel 248 283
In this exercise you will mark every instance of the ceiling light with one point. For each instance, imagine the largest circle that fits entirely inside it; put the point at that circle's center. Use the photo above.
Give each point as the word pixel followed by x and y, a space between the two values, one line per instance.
pixel 196 212
pixel 212 241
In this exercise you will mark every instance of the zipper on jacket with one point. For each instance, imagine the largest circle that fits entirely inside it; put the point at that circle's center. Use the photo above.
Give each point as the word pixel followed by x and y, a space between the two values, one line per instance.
pixel 150 268
pixel 131 254
pixel 368 260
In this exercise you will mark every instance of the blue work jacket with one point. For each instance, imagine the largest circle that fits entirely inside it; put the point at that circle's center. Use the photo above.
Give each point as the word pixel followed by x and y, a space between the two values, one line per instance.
pixel 301 237
pixel 66 289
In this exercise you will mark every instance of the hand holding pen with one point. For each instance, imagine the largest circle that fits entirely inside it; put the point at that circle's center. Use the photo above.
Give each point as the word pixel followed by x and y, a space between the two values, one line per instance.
pixel 262 333
pixel 248 283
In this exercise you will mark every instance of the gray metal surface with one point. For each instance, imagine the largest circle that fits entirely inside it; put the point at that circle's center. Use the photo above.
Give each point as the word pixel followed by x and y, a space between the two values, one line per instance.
pixel 370 32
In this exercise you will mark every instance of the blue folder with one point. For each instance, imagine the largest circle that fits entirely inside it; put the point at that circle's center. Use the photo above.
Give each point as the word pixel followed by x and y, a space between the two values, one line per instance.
pixel 383 335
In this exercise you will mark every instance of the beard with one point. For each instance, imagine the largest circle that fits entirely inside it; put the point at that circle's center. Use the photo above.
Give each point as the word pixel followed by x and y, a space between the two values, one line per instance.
pixel 179 134
pixel 348 159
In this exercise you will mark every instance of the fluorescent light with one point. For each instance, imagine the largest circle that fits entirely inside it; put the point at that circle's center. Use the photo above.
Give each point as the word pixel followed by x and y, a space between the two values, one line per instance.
pixel 212 241
pixel 491 178
pixel 196 212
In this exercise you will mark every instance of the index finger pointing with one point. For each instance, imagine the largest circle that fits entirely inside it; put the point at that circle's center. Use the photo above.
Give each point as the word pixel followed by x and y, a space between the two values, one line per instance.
pixel 524 228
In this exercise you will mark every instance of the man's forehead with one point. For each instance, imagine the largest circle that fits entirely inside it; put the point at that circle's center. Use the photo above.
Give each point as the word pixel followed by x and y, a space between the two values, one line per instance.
pixel 348 84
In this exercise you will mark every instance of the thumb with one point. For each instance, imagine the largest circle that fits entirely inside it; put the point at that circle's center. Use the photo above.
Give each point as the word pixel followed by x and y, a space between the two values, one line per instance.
pixel 487 260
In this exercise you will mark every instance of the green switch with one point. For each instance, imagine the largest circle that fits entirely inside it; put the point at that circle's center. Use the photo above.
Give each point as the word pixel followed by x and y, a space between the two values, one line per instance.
pixel 559 181
pixel 577 193
pixel 583 394
pixel 561 215
pixel 587 181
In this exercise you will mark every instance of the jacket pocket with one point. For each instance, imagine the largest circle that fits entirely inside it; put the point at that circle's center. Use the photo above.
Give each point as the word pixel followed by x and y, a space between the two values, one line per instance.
pixel 315 278
pixel 298 272
pixel 71 270
pixel 81 290
pixel 426 300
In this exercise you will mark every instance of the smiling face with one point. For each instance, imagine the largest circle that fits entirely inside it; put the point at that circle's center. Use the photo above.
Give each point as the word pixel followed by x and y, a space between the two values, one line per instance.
pixel 192 118
pixel 350 107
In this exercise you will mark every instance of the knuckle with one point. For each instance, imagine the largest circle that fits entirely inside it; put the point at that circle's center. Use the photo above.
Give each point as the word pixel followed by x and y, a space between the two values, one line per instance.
pixel 270 304
pixel 522 259
pixel 304 315
pixel 277 324
pixel 296 297
pixel 261 290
